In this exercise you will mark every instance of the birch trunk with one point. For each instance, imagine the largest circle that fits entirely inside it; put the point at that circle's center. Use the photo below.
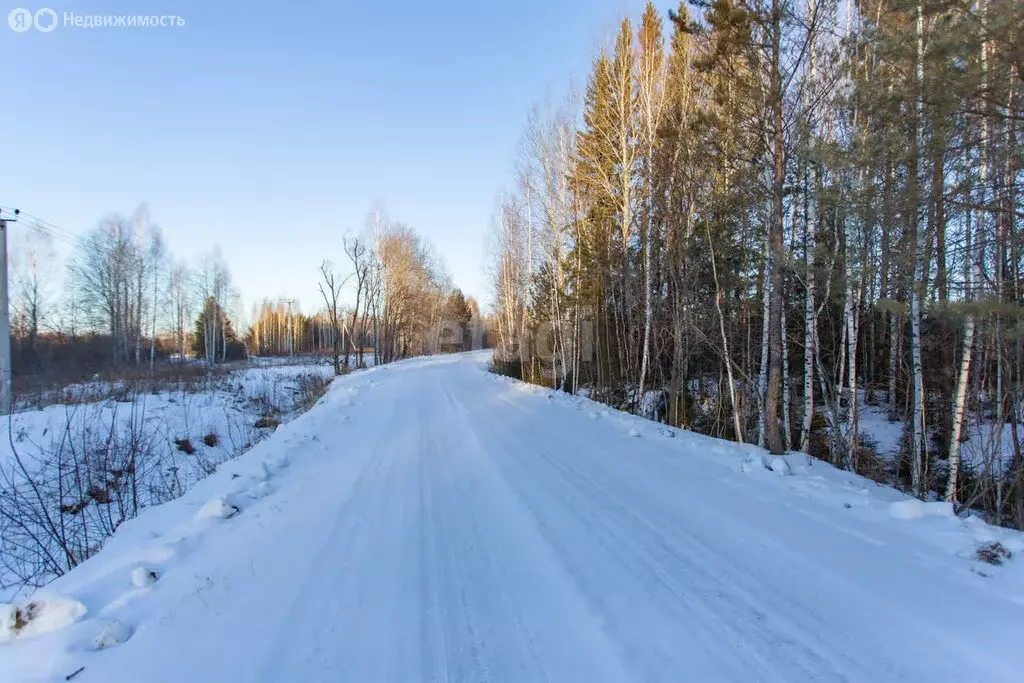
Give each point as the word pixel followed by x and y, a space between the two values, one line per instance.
pixel 810 321
pixel 852 324
pixel 971 275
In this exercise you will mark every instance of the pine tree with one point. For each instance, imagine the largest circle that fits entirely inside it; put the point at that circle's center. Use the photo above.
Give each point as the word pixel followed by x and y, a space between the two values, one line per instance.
pixel 213 317
pixel 457 311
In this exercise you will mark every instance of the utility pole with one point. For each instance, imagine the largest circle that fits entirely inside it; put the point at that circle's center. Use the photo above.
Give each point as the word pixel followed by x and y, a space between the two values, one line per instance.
pixel 6 401
pixel 291 328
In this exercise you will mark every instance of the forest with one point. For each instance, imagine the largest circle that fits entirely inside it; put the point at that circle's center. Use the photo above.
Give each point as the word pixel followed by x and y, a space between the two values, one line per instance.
pixel 764 217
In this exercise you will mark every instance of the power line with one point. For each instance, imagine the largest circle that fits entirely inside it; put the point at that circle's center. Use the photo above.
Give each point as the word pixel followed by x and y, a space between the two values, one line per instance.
pixel 45 227
pixel 40 230
pixel 36 219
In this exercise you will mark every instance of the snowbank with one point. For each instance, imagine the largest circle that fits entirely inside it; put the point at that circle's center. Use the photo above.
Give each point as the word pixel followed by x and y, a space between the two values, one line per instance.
pixel 916 509
pixel 218 508
pixel 42 614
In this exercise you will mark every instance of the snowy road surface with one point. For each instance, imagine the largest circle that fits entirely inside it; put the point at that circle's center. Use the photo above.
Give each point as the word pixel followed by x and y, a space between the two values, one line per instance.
pixel 437 523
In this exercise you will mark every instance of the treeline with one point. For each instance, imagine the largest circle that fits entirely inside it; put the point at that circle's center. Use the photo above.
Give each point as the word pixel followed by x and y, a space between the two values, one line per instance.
pixel 390 297
pixel 125 304
pixel 785 209
pixel 404 301
pixel 122 300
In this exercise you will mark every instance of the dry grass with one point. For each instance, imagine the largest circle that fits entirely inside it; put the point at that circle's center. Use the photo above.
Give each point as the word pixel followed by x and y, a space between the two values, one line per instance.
pixel 994 553
pixel 23 616
pixel 267 422
pixel 311 389
pixel 118 384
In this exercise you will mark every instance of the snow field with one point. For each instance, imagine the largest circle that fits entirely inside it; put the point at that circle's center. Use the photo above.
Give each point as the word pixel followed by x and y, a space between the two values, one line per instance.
pixel 119 585
pixel 184 434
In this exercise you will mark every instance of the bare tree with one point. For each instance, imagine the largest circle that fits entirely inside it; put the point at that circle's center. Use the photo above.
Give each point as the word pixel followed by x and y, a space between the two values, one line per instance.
pixel 110 275
pixel 359 256
pixel 330 288
pixel 32 260
pixel 157 255
pixel 182 305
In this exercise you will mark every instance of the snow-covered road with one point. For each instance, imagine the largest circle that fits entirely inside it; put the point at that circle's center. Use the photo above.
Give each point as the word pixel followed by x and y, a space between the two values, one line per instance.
pixel 437 523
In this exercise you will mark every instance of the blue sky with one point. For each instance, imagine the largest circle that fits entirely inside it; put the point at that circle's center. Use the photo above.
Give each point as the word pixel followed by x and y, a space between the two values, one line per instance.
pixel 271 129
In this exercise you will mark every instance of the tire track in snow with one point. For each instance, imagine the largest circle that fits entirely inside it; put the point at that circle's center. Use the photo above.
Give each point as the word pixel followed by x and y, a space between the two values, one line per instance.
pixel 460 529
pixel 620 492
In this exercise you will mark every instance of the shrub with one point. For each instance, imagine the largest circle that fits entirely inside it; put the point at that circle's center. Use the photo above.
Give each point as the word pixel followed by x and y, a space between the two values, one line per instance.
pixel 211 439
pixel 868 463
pixel 818 438
pixel 93 475
pixel 185 446
pixel 993 553
pixel 311 388
pixel 266 400
pixel 508 368
pixel 267 422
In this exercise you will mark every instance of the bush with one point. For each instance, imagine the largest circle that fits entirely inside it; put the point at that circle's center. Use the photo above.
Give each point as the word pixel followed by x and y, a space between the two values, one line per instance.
pixel 818 438
pixel 267 422
pixel 993 553
pixel 508 368
pixel 267 400
pixel 211 439
pixel 310 390
pixel 185 446
pixel 868 463
pixel 63 499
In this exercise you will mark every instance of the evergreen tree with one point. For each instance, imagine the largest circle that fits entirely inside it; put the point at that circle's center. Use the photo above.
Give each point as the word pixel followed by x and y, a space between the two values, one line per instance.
pixel 457 312
pixel 207 340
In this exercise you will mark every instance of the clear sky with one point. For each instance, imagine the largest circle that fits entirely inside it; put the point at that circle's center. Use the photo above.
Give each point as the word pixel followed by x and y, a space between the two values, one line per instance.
pixel 271 129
